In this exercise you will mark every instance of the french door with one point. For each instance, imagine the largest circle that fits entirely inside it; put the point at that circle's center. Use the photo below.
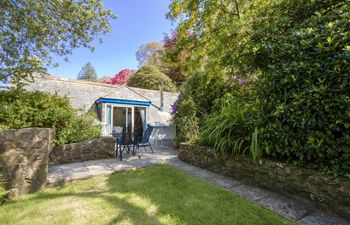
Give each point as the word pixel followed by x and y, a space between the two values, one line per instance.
pixel 121 118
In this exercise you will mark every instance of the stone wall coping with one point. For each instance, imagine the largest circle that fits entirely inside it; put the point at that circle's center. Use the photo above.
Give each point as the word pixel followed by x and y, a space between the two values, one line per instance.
pixel 88 141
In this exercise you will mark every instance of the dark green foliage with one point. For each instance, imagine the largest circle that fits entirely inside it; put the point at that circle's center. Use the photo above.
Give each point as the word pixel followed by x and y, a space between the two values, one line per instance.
pixel 304 87
pixel 36 109
pixel 87 73
pixel 299 54
pixel 185 120
pixel 81 128
pixel 204 89
pixel 150 77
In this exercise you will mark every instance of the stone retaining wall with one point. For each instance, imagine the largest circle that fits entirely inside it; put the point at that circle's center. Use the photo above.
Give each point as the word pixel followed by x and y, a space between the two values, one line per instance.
pixel 332 194
pixel 101 148
pixel 24 159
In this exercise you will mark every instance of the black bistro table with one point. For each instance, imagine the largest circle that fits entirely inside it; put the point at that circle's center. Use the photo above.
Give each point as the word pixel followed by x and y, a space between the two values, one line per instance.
pixel 126 141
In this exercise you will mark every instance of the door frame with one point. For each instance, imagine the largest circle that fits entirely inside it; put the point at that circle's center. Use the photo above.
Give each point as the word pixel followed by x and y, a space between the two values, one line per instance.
pixel 112 105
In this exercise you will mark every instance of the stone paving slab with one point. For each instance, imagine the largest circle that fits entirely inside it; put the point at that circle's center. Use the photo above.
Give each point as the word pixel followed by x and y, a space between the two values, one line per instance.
pixel 184 166
pixel 204 174
pixel 251 193
pixel 224 181
pixel 299 212
pixel 318 218
pixel 284 206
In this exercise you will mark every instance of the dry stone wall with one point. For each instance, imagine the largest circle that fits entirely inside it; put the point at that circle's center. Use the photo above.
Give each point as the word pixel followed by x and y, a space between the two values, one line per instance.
pixel 101 148
pixel 329 193
pixel 24 157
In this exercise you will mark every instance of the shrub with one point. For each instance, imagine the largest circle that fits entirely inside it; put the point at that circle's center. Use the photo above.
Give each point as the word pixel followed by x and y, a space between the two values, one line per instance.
pixel 36 109
pixel 204 88
pixel 81 128
pixel 185 119
pixel 149 77
pixel 303 91
pixel 299 50
pixel 229 129
pixel 120 78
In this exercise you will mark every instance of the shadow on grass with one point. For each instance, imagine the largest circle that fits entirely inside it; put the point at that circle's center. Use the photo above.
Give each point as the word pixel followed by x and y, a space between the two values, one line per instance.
pixel 177 198
pixel 119 204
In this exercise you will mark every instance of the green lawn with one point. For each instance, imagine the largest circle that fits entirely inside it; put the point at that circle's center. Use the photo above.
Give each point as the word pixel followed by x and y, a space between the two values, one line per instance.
pixel 160 194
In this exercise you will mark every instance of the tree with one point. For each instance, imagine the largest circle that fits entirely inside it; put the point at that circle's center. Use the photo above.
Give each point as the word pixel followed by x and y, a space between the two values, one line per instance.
pixel 31 32
pixel 209 34
pixel 164 55
pixel 150 77
pixel 149 54
pixel 87 73
pixel 173 58
pixel 120 78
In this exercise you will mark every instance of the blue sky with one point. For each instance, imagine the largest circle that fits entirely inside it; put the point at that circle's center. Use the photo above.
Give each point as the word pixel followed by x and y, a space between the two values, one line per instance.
pixel 138 22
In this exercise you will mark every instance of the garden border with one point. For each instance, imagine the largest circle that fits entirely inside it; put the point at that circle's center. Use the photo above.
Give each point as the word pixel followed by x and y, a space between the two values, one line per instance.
pixel 324 192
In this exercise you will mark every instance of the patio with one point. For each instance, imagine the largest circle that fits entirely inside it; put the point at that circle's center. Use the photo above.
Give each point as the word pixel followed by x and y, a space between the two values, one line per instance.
pixel 81 170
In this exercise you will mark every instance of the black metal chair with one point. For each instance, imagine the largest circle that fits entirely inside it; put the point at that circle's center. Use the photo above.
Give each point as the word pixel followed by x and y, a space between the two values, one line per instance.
pixel 118 138
pixel 125 141
pixel 144 141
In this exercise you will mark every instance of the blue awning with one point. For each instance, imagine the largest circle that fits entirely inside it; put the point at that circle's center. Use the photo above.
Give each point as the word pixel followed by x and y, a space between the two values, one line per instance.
pixel 123 101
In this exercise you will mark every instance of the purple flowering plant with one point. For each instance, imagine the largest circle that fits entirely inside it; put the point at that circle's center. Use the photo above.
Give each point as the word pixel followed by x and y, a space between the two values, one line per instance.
pixel 176 105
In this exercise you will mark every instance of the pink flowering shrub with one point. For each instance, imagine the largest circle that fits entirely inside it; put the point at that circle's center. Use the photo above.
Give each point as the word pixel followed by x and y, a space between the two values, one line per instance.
pixel 120 78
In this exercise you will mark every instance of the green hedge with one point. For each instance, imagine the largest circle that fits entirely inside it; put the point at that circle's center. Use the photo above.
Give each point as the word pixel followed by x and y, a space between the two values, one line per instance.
pixel 36 109
pixel 298 54
pixel 304 88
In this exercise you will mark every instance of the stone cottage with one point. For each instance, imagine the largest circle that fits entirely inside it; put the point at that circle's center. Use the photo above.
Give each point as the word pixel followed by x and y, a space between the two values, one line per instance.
pixel 117 107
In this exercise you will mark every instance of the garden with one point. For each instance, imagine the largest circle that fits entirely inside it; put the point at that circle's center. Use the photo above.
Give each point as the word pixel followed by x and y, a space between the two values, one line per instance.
pixel 258 80
pixel 268 79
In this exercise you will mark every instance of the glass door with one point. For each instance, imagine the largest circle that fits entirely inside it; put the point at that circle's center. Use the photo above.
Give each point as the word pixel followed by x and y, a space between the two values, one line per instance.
pixel 128 119
pixel 122 119
pixel 139 120
pixel 108 120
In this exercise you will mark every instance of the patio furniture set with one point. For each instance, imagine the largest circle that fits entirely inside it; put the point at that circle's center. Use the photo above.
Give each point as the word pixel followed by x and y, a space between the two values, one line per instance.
pixel 130 142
